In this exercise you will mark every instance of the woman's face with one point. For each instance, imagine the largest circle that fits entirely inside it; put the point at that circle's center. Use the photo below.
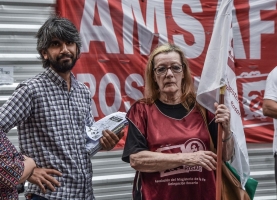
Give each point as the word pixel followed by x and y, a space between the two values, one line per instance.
pixel 169 82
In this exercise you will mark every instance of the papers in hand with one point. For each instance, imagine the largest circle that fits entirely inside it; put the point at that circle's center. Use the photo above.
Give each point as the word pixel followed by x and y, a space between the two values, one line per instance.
pixel 114 122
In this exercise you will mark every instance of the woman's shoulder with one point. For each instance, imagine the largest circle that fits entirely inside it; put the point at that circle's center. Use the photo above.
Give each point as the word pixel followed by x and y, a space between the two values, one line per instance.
pixel 208 114
pixel 139 107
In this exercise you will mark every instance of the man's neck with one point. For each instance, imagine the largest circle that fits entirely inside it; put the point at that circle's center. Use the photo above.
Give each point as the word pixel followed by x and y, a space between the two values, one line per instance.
pixel 66 76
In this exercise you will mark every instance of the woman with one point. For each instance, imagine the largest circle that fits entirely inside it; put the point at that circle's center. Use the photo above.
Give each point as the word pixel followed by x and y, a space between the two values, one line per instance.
pixel 164 129
pixel 14 168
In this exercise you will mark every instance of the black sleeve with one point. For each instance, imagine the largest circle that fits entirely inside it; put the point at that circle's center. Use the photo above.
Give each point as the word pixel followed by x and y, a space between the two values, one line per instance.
pixel 213 127
pixel 135 142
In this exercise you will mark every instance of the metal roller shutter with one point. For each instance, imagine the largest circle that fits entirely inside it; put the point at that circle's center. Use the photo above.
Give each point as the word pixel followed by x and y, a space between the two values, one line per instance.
pixel 19 22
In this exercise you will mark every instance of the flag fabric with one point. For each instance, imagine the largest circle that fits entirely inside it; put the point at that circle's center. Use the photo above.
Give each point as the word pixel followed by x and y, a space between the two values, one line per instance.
pixel 218 71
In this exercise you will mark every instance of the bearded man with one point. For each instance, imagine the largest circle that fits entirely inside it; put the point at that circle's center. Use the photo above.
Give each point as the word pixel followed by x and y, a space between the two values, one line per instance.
pixel 51 111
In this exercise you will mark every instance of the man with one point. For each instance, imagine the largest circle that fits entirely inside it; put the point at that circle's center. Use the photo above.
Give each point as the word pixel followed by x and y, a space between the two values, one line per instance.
pixel 270 108
pixel 51 111
pixel 14 168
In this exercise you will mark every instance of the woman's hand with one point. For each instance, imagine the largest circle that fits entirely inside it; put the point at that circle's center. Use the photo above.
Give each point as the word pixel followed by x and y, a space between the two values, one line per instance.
pixel 206 159
pixel 222 115
pixel 148 161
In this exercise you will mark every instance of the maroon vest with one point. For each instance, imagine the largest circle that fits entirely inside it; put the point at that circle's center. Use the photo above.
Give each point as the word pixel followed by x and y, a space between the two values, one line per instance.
pixel 168 135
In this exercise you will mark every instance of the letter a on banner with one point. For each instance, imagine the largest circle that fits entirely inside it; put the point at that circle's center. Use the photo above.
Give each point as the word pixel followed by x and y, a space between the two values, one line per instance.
pixel 218 71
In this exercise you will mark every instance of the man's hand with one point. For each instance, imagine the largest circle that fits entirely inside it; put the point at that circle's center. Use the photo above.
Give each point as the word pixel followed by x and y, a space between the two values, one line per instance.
pixel 110 139
pixel 42 178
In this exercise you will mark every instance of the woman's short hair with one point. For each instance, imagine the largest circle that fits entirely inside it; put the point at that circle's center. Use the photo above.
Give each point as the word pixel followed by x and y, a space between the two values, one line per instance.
pixel 56 27
pixel 151 87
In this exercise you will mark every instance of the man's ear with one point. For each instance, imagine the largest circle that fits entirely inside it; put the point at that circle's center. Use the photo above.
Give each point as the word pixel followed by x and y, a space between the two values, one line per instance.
pixel 44 54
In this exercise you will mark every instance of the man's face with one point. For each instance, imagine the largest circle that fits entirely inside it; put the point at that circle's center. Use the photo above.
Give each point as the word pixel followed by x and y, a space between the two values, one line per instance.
pixel 62 55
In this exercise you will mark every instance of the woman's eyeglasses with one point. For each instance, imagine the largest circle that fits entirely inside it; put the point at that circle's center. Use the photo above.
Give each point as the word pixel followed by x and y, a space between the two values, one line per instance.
pixel 161 70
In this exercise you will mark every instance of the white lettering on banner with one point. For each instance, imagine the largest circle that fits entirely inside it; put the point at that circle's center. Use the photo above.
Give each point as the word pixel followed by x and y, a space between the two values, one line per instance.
pixel 252 102
pixel 145 30
pixel 265 27
pixel 109 78
pixel 104 33
pixel 155 7
pixel 191 25
pixel 155 13
pixel 130 7
pixel 131 91
pixel 239 49
pixel 90 80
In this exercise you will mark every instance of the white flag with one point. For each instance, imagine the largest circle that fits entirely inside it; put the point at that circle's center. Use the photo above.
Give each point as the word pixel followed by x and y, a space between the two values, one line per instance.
pixel 218 71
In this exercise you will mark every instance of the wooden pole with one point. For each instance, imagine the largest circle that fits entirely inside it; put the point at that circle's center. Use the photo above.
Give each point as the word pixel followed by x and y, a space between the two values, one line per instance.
pixel 219 150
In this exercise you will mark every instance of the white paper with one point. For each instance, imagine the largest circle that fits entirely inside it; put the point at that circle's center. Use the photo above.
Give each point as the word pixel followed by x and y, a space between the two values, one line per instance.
pixel 109 122
pixel 114 122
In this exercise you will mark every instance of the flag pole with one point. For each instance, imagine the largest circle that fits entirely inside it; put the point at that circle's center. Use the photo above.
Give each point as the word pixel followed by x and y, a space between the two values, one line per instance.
pixel 219 150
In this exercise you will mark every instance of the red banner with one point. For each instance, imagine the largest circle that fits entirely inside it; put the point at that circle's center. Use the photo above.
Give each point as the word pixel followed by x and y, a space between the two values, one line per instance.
pixel 118 36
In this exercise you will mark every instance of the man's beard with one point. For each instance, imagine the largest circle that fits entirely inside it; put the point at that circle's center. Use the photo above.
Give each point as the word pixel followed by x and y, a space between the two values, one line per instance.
pixel 63 66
